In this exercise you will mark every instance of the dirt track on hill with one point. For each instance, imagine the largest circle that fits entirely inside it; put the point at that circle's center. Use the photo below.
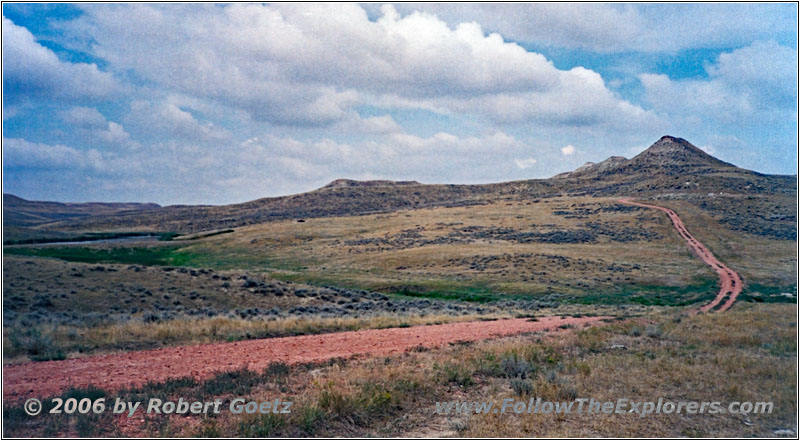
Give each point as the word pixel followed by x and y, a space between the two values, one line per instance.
pixel 116 371
pixel 731 283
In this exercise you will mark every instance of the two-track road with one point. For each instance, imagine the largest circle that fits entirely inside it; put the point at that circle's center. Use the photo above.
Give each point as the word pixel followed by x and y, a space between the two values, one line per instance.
pixel 731 283
pixel 113 372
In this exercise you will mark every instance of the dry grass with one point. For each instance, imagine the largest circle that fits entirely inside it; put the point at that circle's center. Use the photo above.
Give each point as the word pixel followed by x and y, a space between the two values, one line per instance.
pixel 758 259
pixel 76 341
pixel 746 354
pixel 347 251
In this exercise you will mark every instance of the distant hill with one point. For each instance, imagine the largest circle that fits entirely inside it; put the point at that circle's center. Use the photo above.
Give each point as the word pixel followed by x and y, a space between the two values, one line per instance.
pixel 343 183
pixel 670 166
pixel 22 212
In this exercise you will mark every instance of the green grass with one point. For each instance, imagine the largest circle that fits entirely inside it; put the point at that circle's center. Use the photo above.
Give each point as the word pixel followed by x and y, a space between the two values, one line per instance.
pixel 755 292
pixel 90 236
pixel 428 289
pixel 469 293
pixel 160 255
pixel 699 290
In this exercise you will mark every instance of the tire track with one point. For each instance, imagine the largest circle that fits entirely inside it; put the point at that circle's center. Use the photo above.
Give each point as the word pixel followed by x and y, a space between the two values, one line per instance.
pixel 116 371
pixel 731 283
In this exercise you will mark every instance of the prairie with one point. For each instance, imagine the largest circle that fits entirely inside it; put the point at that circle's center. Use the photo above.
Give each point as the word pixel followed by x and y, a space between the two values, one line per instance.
pixel 747 354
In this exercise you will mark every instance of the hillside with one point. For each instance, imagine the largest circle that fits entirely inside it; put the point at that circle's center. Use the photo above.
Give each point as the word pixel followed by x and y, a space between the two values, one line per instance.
pixel 672 164
pixel 22 212
pixel 671 167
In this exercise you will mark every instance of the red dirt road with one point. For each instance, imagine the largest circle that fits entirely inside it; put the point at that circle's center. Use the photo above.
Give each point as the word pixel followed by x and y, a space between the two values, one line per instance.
pixel 117 371
pixel 731 283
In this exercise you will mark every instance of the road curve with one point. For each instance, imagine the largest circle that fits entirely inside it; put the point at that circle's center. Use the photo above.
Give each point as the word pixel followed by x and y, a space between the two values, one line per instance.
pixel 731 283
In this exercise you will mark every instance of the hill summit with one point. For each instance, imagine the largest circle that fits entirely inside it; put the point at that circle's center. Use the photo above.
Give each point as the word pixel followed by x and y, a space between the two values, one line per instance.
pixel 345 183
pixel 670 151
pixel 667 155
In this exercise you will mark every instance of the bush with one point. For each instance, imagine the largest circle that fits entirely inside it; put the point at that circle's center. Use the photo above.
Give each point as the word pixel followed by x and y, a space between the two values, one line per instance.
pixel 277 369
pixel 33 343
pixel 513 367
pixel 653 331
pixel 454 373
pixel 521 387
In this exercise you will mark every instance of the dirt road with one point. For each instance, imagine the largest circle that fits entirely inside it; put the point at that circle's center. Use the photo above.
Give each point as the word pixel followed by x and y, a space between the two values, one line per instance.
pixel 731 283
pixel 117 371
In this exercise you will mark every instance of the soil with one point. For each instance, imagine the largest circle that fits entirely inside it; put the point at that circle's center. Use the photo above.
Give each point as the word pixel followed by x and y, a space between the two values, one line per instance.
pixel 118 371
pixel 731 283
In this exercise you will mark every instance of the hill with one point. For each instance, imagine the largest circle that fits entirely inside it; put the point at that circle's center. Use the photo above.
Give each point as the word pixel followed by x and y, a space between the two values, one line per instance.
pixel 671 167
pixel 22 212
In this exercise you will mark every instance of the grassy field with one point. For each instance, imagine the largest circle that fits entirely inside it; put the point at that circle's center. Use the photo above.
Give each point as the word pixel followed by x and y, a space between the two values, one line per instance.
pixel 561 255
pixel 746 354
pixel 587 250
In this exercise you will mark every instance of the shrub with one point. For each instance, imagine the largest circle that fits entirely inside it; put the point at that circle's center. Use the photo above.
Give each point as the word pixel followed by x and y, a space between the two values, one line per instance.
pixel 454 373
pixel 521 387
pixel 277 369
pixel 513 367
pixel 32 342
pixel 653 331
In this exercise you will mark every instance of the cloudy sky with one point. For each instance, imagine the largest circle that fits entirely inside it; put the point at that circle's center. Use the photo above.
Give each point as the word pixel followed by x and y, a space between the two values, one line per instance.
pixel 200 103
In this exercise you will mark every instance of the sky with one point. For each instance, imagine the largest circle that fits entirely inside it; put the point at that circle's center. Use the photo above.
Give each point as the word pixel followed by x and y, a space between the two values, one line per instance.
pixel 216 104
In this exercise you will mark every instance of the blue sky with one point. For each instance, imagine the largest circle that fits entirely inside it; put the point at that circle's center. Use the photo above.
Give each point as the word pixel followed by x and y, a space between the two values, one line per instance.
pixel 199 103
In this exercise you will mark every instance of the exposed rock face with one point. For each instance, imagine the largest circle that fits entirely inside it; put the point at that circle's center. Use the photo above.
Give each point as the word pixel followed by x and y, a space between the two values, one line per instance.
pixel 345 183
pixel 590 168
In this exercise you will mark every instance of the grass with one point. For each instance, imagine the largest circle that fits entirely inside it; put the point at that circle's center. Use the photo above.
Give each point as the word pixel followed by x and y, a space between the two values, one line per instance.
pixel 438 259
pixel 45 342
pixel 154 255
pixel 756 292
pixel 464 293
pixel 91 236
pixel 699 291
pixel 748 353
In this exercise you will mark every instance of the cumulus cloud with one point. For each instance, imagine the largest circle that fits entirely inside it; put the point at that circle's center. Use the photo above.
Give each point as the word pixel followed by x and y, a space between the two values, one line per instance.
pixel 166 118
pixel 606 27
pixel 739 88
pixel 84 117
pixel 32 71
pixel 525 163
pixel 90 124
pixel 241 101
pixel 294 64
pixel 21 153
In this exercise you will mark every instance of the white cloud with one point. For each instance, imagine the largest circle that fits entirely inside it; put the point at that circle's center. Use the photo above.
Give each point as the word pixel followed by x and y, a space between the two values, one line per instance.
pixel 21 153
pixel 167 118
pixel 31 70
pixel 739 89
pixel 525 163
pixel 84 117
pixel 374 125
pixel 568 150
pixel 708 149
pixel 580 99
pixel 608 27
pixel 310 64
pixel 92 126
